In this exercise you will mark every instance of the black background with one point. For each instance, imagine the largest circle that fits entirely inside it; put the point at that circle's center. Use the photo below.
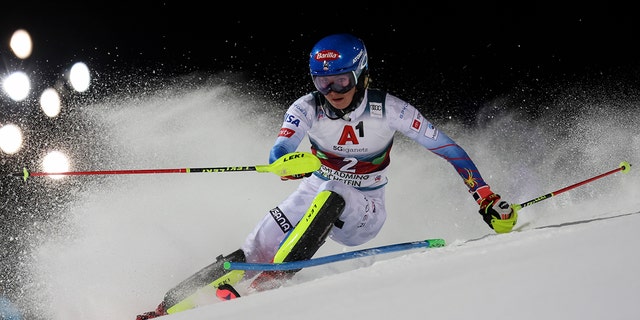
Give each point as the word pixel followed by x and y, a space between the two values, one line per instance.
pixel 452 58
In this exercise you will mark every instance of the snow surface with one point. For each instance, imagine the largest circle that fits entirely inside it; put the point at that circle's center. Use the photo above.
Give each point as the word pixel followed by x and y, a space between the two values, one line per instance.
pixel 131 238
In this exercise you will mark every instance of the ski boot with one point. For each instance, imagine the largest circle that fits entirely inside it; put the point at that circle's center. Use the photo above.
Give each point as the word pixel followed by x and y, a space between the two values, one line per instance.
pixel 183 296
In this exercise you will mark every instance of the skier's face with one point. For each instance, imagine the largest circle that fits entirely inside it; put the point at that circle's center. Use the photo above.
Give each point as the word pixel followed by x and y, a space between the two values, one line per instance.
pixel 340 100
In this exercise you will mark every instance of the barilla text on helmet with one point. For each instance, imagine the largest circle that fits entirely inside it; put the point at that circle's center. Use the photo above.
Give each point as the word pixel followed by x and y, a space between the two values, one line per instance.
pixel 330 55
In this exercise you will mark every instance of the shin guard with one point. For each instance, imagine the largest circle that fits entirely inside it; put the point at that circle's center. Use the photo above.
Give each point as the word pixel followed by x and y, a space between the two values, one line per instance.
pixel 305 239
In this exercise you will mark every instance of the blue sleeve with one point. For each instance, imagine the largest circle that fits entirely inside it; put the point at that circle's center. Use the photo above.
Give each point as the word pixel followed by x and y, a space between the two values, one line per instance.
pixel 409 121
pixel 296 123
pixel 288 140
pixel 446 148
pixel 278 150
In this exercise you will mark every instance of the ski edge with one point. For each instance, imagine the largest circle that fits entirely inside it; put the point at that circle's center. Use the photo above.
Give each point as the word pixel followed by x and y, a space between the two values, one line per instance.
pixel 292 265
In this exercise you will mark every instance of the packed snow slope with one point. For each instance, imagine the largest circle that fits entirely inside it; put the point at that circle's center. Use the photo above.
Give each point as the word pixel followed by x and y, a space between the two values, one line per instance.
pixel 130 238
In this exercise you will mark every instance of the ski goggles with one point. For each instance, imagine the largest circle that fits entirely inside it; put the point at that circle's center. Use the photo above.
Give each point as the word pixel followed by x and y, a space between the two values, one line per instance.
pixel 339 83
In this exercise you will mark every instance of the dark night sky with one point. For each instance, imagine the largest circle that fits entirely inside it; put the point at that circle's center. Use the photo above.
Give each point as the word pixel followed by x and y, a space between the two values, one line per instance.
pixel 452 58
pixel 462 53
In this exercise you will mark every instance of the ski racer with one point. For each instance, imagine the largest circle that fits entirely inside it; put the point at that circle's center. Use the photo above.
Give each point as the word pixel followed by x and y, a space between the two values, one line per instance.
pixel 351 129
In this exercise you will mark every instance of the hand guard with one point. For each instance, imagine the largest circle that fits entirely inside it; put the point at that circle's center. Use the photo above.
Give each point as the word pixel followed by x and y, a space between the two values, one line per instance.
pixel 296 176
pixel 497 213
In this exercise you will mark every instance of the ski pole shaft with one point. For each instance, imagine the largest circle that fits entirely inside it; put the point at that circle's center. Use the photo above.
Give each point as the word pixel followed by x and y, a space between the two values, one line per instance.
pixel 133 171
pixel 299 264
pixel 624 167
pixel 289 164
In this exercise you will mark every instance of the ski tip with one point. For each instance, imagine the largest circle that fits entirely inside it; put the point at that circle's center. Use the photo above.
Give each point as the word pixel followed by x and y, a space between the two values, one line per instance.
pixel 436 243
pixel 626 166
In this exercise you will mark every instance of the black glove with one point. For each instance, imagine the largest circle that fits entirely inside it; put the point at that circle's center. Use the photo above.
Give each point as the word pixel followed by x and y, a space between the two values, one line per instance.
pixel 497 213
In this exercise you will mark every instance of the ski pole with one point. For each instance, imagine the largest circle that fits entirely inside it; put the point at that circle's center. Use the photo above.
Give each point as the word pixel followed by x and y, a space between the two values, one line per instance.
pixel 289 164
pixel 299 264
pixel 624 168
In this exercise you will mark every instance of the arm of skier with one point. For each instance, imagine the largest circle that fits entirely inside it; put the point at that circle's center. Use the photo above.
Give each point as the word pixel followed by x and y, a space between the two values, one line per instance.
pixel 497 213
pixel 294 128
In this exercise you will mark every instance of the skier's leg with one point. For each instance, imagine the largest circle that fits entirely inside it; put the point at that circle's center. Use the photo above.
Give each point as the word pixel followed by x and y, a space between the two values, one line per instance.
pixel 305 239
pixel 362 216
